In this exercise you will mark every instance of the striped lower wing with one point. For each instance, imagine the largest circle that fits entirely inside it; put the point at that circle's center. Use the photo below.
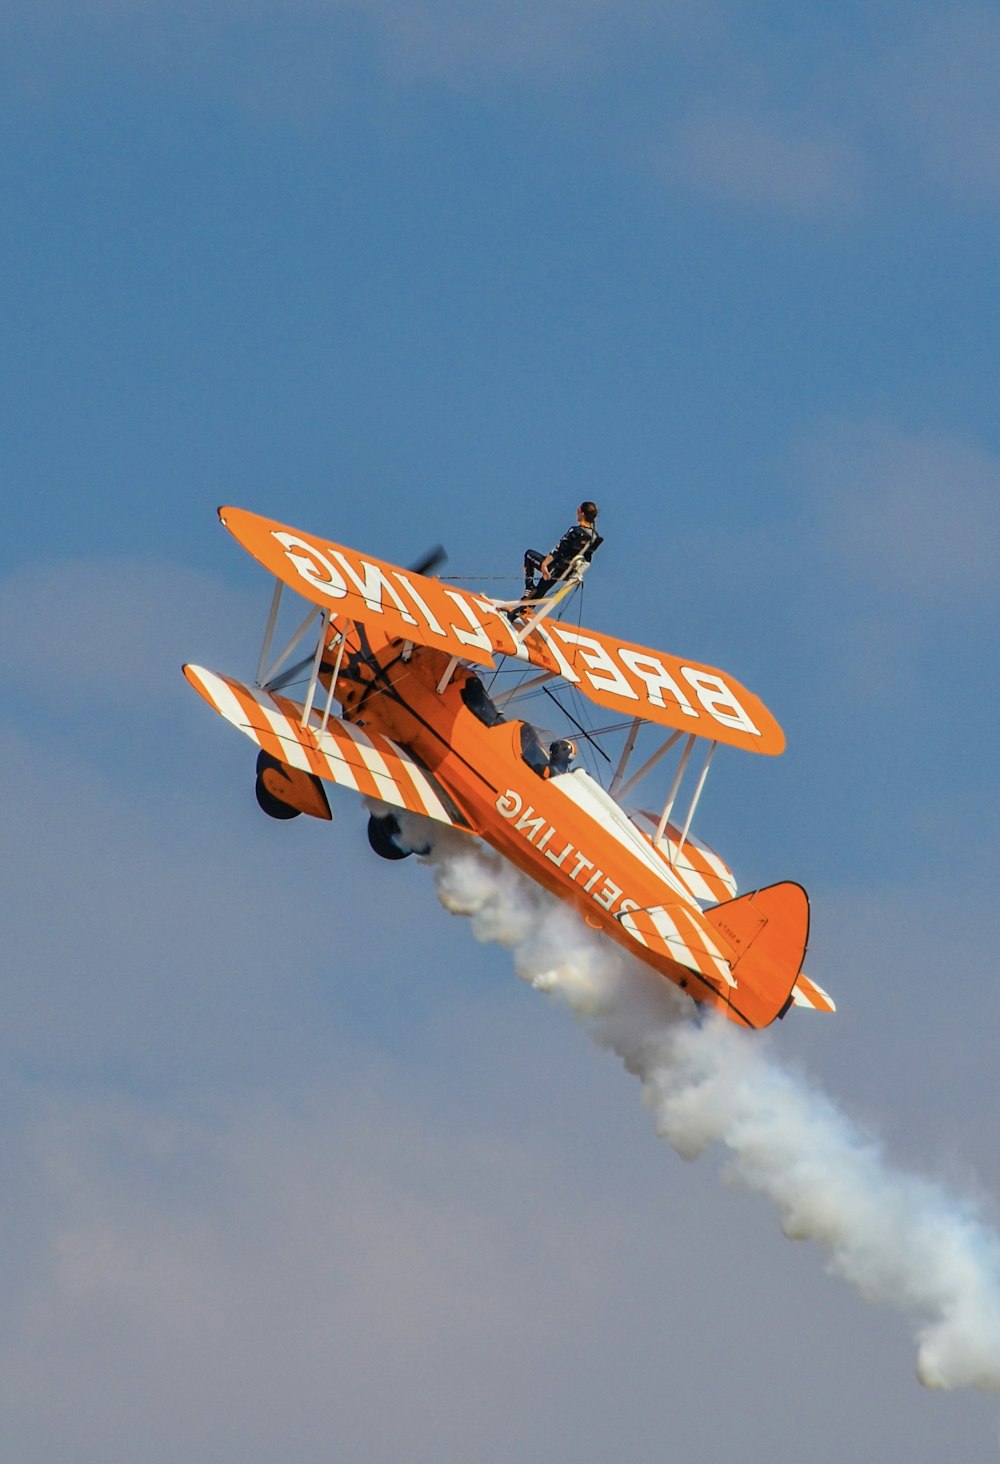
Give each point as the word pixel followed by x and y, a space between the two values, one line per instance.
pixel 365 762
pixel 705 874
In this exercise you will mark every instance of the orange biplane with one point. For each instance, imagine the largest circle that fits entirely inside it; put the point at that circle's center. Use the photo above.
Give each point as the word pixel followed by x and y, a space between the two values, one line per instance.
pixel 421 737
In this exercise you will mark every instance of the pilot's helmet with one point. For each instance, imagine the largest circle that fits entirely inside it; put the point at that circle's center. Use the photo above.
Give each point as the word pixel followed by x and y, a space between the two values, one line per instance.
pixel 561 753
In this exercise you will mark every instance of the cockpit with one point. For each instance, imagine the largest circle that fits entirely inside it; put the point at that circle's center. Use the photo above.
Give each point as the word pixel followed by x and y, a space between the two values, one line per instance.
pixel 546 754
pixel 544 751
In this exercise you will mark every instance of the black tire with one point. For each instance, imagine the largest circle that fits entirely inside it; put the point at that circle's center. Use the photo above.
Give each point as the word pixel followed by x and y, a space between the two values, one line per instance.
pixel 382 837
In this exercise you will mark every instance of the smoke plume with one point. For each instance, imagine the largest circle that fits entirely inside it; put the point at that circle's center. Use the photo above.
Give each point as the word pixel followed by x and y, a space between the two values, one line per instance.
pixel 901 1240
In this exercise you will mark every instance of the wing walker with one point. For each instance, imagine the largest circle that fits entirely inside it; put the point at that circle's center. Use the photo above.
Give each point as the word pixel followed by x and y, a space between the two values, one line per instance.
pixel 394 706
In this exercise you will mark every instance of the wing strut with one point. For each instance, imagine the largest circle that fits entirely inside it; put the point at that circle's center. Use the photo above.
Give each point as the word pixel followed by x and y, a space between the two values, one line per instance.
pixel 272 621
pixel 675 854
pixel 333 678
pixel 324 630
pixel 449 673
pixel 626 754
pixel 273 670
pixel 650 762
pixel 672 795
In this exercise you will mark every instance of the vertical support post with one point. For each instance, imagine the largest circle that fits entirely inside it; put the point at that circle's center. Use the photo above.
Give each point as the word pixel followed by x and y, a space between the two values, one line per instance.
pixel 626 754
pixel 273 671
pixel 447 675
pixel 333 678
pixel 650 763
pixel 694 801
pixel 272 621
pixel 671 796
pixel 324 626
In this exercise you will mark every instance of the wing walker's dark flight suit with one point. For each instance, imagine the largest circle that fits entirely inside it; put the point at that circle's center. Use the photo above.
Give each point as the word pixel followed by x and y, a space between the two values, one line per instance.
pixel 582 539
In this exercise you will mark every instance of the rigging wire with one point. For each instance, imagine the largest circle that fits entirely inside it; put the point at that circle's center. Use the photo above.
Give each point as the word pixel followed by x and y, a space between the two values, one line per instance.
pixel 579 727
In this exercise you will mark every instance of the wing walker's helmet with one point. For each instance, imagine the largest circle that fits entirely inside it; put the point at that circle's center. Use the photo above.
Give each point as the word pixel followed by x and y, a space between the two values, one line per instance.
pixel 588 510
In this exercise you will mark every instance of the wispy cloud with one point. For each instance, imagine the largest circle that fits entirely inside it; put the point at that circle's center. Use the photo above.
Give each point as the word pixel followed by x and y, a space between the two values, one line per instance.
pixel 785 164
pixel 937 93
pixel 460 43
pixel 306 1280
pixel 117 629
pixel 917 514
pixel 785 119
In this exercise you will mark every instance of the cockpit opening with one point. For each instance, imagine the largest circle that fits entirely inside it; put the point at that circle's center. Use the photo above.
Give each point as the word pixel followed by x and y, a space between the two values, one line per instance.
pixel 547 755
pixel 477 699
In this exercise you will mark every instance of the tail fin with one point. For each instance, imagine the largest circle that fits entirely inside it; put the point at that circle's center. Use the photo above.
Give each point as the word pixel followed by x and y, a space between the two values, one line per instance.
pixel 765 936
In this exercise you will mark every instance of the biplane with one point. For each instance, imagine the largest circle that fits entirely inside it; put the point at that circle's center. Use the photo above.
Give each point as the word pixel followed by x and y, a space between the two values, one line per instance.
pixel 422 733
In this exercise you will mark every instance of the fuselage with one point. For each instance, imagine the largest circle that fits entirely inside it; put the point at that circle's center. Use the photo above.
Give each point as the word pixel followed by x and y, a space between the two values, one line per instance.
pixel 563 831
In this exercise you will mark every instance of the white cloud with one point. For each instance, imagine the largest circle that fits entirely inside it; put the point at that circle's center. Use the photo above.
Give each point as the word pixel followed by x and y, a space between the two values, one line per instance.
pixel 915 514
pixel 258 49
pixel 461 41
pixel 792 165
pixel 937 92
pixel 351 1281
pixel 756 114
pixel 118 629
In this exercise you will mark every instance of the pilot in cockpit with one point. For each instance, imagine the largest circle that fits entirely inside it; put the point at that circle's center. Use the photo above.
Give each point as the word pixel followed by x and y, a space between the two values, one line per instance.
pixel 561 754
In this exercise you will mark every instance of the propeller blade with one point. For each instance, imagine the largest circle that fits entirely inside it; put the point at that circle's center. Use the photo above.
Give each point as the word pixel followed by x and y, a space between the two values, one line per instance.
pixel 430 561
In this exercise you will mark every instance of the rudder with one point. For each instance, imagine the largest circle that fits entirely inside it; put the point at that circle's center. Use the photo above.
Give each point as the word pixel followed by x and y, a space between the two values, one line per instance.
pixel 765 936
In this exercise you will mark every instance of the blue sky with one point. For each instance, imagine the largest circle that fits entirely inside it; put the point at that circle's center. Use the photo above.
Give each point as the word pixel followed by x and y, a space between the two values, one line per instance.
pixel 283 1141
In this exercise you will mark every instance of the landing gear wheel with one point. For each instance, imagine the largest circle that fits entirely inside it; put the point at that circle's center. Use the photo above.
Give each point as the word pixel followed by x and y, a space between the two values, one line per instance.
pixel 382 833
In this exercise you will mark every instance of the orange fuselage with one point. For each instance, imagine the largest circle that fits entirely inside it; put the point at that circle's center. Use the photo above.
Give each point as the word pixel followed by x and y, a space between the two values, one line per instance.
pixel 564 832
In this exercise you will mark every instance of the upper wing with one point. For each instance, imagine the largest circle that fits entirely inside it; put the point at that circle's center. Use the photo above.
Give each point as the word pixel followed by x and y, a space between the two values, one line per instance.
pixel 615 673
pixel 340 753
pixel 654 686
pixel 359 587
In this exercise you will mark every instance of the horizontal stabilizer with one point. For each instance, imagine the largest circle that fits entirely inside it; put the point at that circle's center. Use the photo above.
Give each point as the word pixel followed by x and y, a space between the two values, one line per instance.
pixel 366 762
pixel 808 993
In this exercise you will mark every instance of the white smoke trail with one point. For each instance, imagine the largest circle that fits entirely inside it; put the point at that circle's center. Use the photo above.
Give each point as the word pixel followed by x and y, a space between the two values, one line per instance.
pixel 901 1240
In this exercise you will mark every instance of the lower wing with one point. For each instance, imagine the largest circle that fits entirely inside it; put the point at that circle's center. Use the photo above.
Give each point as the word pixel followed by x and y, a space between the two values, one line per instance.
pixel 335 751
